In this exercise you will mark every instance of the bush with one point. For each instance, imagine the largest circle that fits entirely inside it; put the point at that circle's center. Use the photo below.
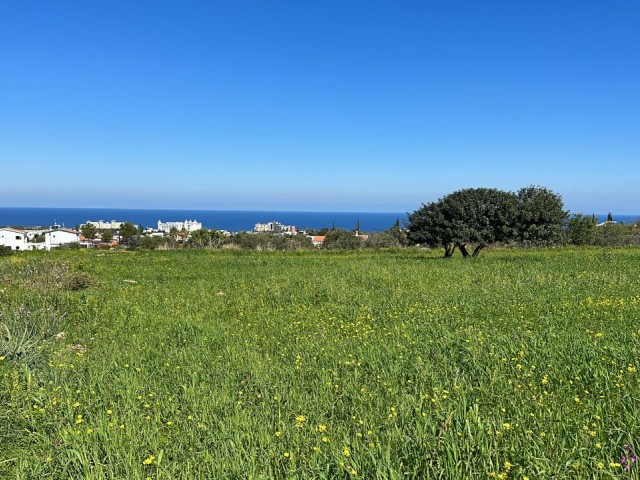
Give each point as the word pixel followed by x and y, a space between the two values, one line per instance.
pixel 69 246
pixel 382 240
pixel 581 230
pixel 150 243
pixel 5 251
pixel 79 281
pixel 341 240
pixel 269 241
pixel 22 331
pixel 616 235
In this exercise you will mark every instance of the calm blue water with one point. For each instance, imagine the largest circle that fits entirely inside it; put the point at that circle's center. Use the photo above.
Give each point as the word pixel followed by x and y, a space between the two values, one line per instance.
pixel 234 221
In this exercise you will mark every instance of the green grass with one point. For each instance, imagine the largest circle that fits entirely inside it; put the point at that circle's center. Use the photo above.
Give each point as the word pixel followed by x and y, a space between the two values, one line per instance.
pixel 400 364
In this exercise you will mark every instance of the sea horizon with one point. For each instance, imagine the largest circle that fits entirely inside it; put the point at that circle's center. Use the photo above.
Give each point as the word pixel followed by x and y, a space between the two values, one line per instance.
pixel 231 220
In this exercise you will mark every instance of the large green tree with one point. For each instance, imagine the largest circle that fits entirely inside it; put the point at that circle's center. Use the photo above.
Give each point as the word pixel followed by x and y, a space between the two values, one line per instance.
pixel 540 217
pixel 127 230
pixel 89 231
pixel 481 216
pixel 107 236
pixel 478 216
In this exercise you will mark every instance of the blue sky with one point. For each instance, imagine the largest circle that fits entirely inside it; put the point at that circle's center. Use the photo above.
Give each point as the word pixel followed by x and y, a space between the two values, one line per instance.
pixel 317 105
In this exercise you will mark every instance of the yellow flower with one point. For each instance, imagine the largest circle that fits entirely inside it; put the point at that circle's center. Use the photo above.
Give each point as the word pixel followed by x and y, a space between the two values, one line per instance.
pixel 278 434
pixel 109 412
pixel 2 357
pixel 325 439
pixel 346 452
pixel 506 426
pixel 600 465
pixel 287 455
pixel 507 465
pixel 300 420
pixel 149 460
pixel 322 428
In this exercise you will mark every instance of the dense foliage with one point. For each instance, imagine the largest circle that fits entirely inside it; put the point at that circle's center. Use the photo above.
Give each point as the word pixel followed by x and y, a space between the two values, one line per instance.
pixel 482 216
pixel 127 231
pixel 338 239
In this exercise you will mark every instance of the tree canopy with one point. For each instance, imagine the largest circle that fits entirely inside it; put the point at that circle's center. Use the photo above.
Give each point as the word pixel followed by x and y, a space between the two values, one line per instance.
pixel 89 230
pixel 481 216
pixel 127 230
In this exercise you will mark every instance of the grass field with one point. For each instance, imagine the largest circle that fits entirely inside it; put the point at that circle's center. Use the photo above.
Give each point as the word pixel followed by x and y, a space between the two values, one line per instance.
pixel 400 364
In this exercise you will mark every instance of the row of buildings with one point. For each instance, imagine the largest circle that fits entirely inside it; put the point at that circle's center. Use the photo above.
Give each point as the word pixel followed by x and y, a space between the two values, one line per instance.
pixel 55 236
pixel 274 227
pixel 24 240
pixel 45 239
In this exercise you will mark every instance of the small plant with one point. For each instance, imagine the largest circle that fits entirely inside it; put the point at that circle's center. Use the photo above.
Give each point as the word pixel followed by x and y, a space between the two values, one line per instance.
pixel 628 458
pixel 79 281
pixel 22 331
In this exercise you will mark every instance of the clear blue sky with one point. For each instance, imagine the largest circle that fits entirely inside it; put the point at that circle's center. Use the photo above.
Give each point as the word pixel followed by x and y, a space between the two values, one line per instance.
pixel 317 105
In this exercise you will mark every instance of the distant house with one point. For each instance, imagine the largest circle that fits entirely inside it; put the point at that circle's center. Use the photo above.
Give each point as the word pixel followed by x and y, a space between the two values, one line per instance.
pixel 18 240
pixel 317 240
pixel 60 236
pixel 14 238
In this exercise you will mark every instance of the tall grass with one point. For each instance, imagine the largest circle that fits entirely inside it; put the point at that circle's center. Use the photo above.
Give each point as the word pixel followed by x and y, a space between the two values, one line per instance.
pixel 397 364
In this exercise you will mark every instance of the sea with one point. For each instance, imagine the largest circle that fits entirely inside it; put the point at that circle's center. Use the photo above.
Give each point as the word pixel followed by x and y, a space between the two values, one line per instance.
pixel 231 220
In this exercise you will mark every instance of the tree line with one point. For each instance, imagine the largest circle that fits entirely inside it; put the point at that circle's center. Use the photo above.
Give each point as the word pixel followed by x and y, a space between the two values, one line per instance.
pixel 466 220
pixel 471 219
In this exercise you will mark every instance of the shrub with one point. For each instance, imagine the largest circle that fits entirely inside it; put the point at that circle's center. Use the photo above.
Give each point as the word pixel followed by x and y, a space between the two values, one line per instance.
pixel 382 240
pixel 341 240
pixel 79 281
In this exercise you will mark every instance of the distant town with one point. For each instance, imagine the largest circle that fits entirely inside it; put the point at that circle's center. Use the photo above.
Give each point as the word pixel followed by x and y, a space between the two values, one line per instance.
pixel 273 235
pixel 105 234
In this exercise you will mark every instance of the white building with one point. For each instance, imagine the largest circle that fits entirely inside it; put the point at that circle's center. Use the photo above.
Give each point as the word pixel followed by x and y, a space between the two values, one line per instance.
pixel 274 227
pixel 13 238
pixel 102 225
pixel 188 225
pixel 60 236
pixel 18 240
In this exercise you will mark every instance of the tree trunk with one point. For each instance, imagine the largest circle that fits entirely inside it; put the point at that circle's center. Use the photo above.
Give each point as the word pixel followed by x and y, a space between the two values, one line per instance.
pixel 463 249
pixel 448 249
pixel 476 251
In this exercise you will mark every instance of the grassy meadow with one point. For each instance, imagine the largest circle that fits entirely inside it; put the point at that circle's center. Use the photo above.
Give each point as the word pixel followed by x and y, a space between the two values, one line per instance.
pixel 366 365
